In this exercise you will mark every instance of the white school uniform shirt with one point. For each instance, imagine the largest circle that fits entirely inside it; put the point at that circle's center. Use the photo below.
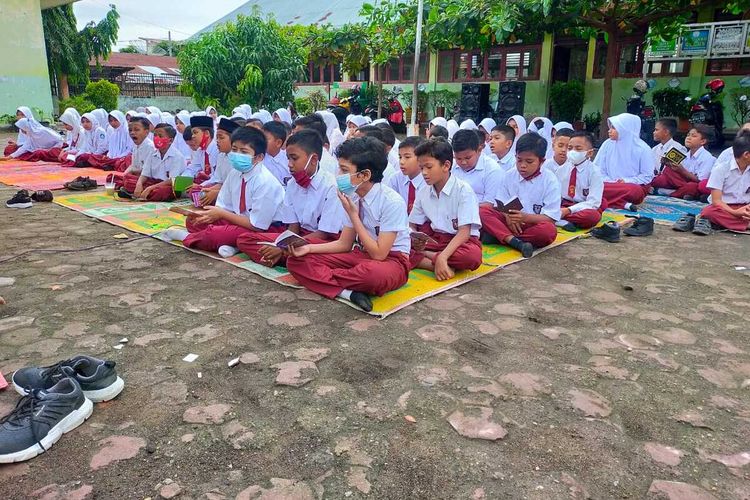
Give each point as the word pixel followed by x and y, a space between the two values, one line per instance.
pixel 455 206
pixel 315 208
pixel 223 167
pixel 263 195
pixel 141 152
pixel 94 141
pixel 279 166
pixel 589 185
pixel 507 162
pixel 392 168
pixel 399 182
pixel 328 163
pixel 726 156
pixel 660 150
pixel 538 195
pixel 382 209
pixel 700 163
pixel 733 184
pixel 484 178
pixel 165 168
pixel 552 165
pixel 198 160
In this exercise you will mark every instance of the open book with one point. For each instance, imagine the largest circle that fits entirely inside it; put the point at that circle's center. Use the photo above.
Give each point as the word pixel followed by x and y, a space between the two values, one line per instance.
pixel 514 204
pixel 181 183
pixel 287 240
pixel 420 237
pixel 675 156
pixel 187 210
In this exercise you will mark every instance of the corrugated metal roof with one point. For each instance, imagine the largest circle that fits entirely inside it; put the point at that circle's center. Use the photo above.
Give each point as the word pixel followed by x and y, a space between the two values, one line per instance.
pixel 335 12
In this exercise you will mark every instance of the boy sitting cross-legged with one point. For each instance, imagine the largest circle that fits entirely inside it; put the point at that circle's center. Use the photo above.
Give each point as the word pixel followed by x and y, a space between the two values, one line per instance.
pixel 685 178
pixel 581 185
pixel 159 169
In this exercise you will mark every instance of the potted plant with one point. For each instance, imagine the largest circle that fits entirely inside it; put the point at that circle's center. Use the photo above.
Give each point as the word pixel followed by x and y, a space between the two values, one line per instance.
pixel 566 100
pixel 740 105
pixel 673 103
pixel 592 122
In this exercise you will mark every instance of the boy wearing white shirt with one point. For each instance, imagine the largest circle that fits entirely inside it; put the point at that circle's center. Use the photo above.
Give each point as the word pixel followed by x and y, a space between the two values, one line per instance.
pixel 559 150
pixel 311 205
pixel 211 186
pixel 471 166
pixel 664 132
pixel 249 200
pixel 376 219
pixel 408 180
pixel 537 189
pixel 581 185
pixel 164 164
pixel 685 178
pixel 501 143
pixel 446 209
pixel 142 149
pixel 204 159
pixel 276 161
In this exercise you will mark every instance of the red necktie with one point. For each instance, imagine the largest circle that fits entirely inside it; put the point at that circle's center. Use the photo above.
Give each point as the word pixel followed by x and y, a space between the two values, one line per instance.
pixel 206 161
pixel 412 196
pixel 572 183
pixel 243 203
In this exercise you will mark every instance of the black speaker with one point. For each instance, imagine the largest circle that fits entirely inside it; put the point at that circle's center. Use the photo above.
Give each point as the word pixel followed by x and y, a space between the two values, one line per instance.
pixel 510 100
pixel 475 101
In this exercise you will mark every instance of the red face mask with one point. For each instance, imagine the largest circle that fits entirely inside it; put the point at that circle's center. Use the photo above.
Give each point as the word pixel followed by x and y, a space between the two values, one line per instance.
pixel 161 142
pixel 302 177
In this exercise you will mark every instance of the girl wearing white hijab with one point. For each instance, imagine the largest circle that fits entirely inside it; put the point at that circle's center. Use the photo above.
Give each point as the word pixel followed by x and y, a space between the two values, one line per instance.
pixel 353 122
pixel 439 121
pixel 335 137
pixel 262 115
pixel 283 115
pixel 452 127
pixel 102 117
pixel 486 126
pixel 119 147
pixel 247 111
pixel 560 126
pixel 71 120
pixel 182 120
pixel 468 125
pixel 94 136
pixel 130 115
pixel 626 163
pixel 21 112
pixel 543 126
pixel 518 124
pixel 38 137
pixel 168 118
pixel 211 111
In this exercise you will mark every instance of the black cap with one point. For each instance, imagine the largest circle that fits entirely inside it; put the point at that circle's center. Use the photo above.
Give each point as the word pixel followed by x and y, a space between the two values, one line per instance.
pixel 201 121
pixel 228 126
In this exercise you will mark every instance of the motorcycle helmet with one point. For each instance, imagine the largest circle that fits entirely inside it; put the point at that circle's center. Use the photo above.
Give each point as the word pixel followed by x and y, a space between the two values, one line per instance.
pixel 716 85
pixel 641 86
pixel 334 102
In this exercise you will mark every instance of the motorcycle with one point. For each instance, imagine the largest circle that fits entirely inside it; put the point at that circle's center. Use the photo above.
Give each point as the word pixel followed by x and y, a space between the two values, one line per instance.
pixel 636 105
pixel 709 111
pixel 391 110
pixel 352 102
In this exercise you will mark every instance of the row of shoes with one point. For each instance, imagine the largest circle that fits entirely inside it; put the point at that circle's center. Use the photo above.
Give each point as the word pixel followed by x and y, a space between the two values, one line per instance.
pixel 55 400
pixel 81 184
pixel 24 199
pixel 610 232
pixel 690 223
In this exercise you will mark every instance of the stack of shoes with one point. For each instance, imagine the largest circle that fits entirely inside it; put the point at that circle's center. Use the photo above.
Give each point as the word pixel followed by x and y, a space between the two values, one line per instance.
pixel 20 200
pixel 643 226
pixel 609 232
pixel 81 184
pixel 55 400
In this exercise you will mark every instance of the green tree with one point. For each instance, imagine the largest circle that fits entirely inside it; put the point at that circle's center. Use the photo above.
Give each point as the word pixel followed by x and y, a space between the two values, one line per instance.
pixel 130 49
pixel 102 94
pixel 251 60
pixel 165 46
pixel 69 50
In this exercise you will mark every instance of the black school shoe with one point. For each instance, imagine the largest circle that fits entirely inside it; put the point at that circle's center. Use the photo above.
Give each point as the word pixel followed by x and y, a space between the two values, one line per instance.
pixel 98 378
pixel 40 419
pixel 81 184
pixel 643 226
pixel 702 227
pixel 609 232
pixel 684 224
pixel 361 300
pixel 123 193
pixel 45 195
pixel 20 200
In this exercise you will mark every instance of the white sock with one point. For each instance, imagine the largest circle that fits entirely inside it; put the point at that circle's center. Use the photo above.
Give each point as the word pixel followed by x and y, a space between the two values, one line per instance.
pixel 346 294
pixel 227 251
pixel 176 234
pixel 628 205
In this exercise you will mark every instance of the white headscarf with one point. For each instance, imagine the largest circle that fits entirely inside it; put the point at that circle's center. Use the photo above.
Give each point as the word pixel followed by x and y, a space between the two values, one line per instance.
pixel 154 118
pixel 545 131
pixel 208 113
pixel 562 125
pixel 71 117
pixel 131 113
pixel 468 125
pixel 184 117
pixel 376 122
pixel 167 118
pixel 119 143
pixel 627 151
pixel 284 115
pixel 488 124
pixel 101 117
pixel 521 123
pixel 452 127
pixel 439 121
pixel 247 111
pixel 263 115
pixel 358 120
pixel 26 112
pixel 37 135
pixel 335 137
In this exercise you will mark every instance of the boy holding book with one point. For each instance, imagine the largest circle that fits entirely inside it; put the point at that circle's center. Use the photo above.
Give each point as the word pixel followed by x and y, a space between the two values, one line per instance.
pixel 684 177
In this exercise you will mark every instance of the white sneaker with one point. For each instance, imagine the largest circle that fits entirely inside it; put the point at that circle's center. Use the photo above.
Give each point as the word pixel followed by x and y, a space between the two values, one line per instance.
pixel 227 251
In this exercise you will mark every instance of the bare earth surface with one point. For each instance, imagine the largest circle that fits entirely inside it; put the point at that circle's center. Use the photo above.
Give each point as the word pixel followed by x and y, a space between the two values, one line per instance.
pixel 592 371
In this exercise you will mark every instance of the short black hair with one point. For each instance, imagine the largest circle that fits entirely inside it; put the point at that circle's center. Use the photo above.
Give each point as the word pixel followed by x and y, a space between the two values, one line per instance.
pixel 309 140
pixel 320 128
pixel 252 137
pixel 505 130
pixel 439 131
pixel 288 128
pixel 372 131
pixel 187 135
pixel 411 142
pixel 239 121
pixel 482 135
pixel 466 140
pixel 143 121
pixel 741 144
pixel 564 132
pixel 668 123
pixel 389 136
pixel 276 129
pixel 437 148
pixel 372 157
pixel 250 121
pixel 586 135
pixel 306 121
pixel 205 129
pixel 531 142
pixel 169 129
pixel 704 131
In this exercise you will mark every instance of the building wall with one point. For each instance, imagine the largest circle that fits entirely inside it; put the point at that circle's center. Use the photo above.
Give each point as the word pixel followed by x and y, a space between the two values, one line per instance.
pixel 165 103
pixel 24 79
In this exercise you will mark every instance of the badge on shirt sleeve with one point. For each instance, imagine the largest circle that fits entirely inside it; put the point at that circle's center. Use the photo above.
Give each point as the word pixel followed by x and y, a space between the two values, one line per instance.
pixel 455 224
pixel 538 209
pixel 585 192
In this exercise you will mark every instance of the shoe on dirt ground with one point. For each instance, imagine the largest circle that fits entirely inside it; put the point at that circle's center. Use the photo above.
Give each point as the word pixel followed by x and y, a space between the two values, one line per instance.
pixel 98 378
pixel 82 184
pixel 44 195
pixel 609 232
pixel 685 224
pixel 643 226
pixel 702 227
pixel 20 200
pixel 40 419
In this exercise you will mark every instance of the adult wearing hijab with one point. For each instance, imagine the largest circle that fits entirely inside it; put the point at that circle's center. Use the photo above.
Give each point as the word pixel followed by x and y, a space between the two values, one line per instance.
pixel 626 163
pixel 38 137
pixel 518 124
pixel 543 127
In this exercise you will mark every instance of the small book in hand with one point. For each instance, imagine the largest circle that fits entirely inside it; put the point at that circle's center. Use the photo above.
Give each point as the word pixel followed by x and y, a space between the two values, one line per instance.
pixel 287 240
pixel 675 156
pixel 181 183
pixel 514 204
pixel 187 210
pixel 420 237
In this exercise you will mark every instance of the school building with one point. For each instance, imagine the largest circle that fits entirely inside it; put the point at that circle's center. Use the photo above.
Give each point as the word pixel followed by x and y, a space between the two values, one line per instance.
pixel 719 47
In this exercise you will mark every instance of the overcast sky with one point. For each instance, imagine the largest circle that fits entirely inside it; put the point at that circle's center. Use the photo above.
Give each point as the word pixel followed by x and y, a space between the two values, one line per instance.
pixel 154 18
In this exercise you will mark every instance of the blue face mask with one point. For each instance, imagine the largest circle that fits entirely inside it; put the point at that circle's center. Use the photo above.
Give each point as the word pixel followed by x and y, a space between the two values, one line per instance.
pixel 344 183
pixel 241 162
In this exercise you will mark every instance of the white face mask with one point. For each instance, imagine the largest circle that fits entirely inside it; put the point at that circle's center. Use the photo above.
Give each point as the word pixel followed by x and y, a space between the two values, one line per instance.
pixel 577 157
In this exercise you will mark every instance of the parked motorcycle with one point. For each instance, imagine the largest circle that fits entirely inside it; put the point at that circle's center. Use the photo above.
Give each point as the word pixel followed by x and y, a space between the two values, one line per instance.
pixel 392 110
pixel 709 111
pixel 636 105
pixel 352 102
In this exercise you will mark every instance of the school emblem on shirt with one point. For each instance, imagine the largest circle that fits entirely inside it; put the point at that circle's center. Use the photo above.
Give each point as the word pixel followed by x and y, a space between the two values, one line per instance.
pixel 538 209
pixel 377 230
pixel 585 192
pixel 286 180
pixel 455 224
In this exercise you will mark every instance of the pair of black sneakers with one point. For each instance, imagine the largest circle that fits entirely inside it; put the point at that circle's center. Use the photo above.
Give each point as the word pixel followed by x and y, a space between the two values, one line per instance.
pixel 610 232
pixel 56 399
pixel 22 199
pixel 689 223
pixel 81 184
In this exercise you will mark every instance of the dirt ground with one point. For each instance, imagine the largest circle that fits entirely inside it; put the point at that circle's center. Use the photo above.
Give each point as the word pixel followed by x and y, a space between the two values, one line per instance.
pixel 594 370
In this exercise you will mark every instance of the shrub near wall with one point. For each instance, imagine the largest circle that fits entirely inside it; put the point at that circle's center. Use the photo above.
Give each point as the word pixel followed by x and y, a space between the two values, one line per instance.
pixel 566 99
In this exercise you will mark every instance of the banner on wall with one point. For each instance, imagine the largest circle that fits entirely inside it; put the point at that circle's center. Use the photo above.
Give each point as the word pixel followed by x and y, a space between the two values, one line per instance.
pixel 705 40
